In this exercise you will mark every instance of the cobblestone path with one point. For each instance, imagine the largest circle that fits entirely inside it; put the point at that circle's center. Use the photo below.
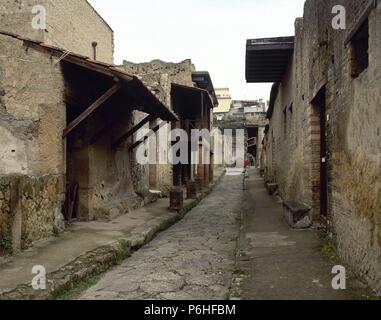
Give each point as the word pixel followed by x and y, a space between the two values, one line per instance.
pixel 194 259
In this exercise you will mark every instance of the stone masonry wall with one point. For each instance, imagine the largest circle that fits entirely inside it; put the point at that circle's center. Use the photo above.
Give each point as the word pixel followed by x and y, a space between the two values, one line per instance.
pixel 103 173
pixel 352 129
pixel 16 16
pixel 28 211
pixel 158 77
pixel 32 164
pixel 71 24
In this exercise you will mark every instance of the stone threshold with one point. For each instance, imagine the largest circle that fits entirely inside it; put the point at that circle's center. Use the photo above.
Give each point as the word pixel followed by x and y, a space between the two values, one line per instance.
pixel 88 249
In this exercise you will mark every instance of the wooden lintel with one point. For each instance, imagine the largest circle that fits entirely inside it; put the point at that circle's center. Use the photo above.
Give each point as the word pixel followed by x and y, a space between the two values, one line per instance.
pixel 130 132
pixel 115 88
pixel 150 133
pixel 361 20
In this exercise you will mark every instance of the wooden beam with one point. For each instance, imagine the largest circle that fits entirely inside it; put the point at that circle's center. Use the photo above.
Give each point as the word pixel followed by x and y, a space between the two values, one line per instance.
pixel 130 132
pixel 100 133
pixel 82 61
pixel 150 133
pixel 361 20
pixel 115 88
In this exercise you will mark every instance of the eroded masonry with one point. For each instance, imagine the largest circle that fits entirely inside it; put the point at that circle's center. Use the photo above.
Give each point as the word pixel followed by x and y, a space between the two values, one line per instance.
pixel 322 146
pixel 71 122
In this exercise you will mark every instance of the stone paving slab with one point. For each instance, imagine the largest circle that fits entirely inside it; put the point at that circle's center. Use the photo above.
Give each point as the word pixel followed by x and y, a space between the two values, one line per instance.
pixel 193 259
pixel 276 262
pixel 86 249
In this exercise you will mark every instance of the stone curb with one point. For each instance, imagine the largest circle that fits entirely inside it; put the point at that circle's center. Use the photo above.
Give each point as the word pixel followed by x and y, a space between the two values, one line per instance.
pixel 100 260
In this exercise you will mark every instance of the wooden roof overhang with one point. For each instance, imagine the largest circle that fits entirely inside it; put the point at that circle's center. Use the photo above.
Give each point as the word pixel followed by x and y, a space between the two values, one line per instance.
pixel 122 84
pixel 185 99
pixel 267 59
pixel 204 81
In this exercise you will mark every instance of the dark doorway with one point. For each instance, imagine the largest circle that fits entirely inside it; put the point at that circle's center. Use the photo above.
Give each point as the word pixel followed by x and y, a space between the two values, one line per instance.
pixel 323 163
pixel 319 104
pixel 252 145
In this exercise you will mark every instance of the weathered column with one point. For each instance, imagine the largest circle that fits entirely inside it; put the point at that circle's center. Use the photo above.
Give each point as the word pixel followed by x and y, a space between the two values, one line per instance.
pixel 191 190
pixel 211 170
pixel 176 197
pixel 200 167
pixel 206 175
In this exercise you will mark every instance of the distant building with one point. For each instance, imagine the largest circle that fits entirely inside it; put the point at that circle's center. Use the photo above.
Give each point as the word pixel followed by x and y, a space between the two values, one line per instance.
pixel 247 108
pixel 224 101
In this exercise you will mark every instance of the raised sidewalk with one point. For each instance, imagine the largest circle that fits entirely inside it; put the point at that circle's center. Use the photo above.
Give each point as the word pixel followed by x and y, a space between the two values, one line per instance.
pixel 87 249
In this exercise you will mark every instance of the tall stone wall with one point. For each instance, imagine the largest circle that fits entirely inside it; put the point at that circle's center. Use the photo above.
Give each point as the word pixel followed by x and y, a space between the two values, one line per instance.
pixel 32 164
pixel 70 24
pixel 353 120
pixel 17 16
pixel 158 77
pixel 103 173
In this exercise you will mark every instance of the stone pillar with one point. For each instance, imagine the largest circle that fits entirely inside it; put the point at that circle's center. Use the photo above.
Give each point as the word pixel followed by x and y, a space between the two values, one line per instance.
pixel 191 190
pixel 206 175
pixel 176 198
pixel 200 167
pixel 198 184
pixel 211 169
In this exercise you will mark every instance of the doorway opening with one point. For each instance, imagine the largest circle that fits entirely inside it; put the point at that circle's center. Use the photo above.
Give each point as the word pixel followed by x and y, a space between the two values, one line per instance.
pixel 252 145
pixel 319 155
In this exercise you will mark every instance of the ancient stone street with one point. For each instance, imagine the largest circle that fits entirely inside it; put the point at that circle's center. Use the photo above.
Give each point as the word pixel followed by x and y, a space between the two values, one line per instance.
pixel 234 245
pixel 206 153
pixel 194 259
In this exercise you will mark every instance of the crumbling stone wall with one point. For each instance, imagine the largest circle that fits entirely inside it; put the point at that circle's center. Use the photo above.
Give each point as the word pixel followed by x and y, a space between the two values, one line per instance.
pixel 32 164
pixel 70 24
pixel 352 129
pixel 158 77
pixel 101 170
pixel 16 17
pixel 28 211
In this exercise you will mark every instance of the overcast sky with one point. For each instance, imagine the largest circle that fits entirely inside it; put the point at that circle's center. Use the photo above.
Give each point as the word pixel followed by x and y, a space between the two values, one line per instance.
pixel 212 33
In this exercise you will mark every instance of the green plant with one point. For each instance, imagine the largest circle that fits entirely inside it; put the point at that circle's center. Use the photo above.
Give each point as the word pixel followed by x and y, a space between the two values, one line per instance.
pixel 6 245
pixel 77 288
pixel 329 250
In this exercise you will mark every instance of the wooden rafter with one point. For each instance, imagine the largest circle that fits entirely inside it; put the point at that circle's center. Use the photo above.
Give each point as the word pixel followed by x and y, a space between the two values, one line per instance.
pixel 150 133
pixel 130 132
pixel 115 88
